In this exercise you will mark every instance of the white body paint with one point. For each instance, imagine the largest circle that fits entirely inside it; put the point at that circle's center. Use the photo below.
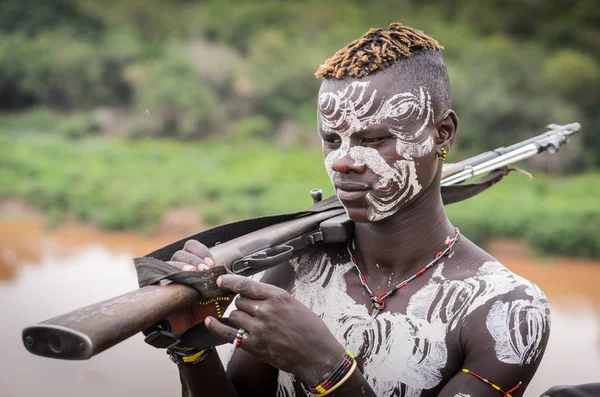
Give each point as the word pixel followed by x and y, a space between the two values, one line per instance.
pixel 350 110
pixel 403 354
pixel 506 321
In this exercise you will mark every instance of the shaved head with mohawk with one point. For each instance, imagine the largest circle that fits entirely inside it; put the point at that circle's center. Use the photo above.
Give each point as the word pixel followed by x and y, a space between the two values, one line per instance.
pixel 401 48
pixel 392 83
pixel 375 50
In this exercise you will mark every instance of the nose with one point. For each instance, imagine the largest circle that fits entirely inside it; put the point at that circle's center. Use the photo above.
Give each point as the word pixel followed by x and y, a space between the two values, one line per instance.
pixel 345 164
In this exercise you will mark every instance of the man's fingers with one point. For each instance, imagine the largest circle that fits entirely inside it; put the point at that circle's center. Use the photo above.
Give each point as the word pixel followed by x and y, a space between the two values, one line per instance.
pixel 250 306
pixel 186 267
pixel 222 331
pixel 187 257
pixel 246 287
pixel 200 250
pixel 239 319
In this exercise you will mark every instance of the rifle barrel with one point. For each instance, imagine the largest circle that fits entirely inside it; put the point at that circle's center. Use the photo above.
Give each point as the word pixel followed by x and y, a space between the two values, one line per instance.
pixel 549 141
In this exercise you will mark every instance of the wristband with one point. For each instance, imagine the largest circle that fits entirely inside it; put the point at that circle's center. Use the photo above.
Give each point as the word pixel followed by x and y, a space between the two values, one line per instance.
pixel 339 375
pixel 188 359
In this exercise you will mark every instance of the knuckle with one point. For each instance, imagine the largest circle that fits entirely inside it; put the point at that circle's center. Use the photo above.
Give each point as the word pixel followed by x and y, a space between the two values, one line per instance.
pixel 191 245
pixel 175 264
pixel 261 344
pixel 234 316
pixel 280 295
pixel 178 256
pixel 242 285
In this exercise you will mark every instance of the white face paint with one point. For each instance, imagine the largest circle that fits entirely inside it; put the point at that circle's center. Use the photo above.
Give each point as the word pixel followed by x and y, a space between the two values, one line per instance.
pixel 350 110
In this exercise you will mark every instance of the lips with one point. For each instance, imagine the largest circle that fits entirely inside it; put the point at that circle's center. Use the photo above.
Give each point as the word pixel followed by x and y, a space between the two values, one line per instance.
pixel 350 191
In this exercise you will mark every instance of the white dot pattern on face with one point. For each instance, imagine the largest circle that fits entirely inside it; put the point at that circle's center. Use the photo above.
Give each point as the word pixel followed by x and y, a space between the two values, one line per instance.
pixel 344 112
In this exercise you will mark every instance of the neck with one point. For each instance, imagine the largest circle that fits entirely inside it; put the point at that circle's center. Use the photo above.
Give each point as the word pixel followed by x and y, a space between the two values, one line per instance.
pixel 406 240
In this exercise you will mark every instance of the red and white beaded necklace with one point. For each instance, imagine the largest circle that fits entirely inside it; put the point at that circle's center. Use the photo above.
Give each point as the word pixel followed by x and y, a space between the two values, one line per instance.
pixel 378 300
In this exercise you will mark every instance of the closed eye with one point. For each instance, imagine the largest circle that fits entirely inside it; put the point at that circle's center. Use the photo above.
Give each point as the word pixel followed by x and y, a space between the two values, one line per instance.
pixel 332 140
pixel 374 141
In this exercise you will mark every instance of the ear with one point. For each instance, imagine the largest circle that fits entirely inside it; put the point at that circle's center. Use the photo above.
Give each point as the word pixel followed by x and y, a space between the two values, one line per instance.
pixel 446 130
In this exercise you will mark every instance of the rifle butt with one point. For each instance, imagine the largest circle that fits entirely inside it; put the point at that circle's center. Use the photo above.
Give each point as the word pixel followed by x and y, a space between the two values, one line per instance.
pixel 87 331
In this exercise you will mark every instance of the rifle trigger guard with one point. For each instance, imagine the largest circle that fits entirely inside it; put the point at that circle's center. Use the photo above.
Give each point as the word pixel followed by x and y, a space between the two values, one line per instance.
pixel 263 259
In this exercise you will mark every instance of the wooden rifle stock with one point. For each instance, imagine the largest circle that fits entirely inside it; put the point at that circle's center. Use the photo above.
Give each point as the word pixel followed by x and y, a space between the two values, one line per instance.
pixel 87 331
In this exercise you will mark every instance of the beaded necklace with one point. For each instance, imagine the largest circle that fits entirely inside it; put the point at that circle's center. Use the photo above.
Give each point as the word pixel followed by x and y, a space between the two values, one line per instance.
pixel 378 300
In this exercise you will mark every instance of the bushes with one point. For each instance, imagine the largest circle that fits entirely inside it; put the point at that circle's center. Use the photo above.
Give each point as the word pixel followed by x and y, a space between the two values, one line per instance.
pixel 202 67
pixel 129 185
pixel 573 232
pixel 553 215
pixel 170 88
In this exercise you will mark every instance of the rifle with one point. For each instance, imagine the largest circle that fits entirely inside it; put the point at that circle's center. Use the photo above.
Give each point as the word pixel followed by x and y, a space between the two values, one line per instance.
pixel 87 331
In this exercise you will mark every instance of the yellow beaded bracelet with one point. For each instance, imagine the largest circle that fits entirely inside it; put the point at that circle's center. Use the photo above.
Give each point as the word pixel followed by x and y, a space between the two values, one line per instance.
pixel 193 357
pixel 341 382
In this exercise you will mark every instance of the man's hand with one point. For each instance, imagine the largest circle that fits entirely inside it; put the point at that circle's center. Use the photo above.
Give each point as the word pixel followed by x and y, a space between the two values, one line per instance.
pixel 279 330
pixel 194 256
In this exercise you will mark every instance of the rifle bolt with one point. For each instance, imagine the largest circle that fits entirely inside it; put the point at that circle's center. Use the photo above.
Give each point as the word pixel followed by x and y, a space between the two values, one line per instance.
pixel 317 195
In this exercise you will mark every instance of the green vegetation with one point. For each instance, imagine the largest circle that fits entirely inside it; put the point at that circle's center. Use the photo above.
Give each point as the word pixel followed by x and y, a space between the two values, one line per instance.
pixel 87 86
pixel 116 184
pixel 559 216
pixel 189 69
pixel 129 185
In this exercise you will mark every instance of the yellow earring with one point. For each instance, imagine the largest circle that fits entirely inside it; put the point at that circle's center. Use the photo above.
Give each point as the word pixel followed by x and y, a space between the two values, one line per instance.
pixel 442 157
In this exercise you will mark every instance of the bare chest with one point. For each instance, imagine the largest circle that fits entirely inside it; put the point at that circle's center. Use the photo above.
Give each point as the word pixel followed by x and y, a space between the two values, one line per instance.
pixel 400 352
pixel 413 348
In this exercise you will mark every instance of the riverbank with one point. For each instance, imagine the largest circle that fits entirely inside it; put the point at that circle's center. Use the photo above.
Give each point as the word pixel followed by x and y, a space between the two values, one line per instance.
pixel 24 238
pixel 151 186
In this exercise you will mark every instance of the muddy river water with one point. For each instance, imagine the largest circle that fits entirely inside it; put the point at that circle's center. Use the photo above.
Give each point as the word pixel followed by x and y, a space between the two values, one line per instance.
pixel 46 274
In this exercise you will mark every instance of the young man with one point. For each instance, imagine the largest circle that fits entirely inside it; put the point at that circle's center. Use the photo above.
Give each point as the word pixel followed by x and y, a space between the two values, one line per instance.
pixel 421 309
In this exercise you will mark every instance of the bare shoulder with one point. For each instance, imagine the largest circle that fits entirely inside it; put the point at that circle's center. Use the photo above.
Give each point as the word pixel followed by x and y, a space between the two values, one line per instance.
pixel 488 276
pixel 506 315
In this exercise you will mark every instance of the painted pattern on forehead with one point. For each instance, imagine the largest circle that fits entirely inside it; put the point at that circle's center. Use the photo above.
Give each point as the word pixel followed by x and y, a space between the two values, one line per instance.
pixel 349 110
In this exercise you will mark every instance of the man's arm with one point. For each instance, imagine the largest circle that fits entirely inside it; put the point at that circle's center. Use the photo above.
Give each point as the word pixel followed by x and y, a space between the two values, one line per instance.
pixel 504 342
pixel 207 378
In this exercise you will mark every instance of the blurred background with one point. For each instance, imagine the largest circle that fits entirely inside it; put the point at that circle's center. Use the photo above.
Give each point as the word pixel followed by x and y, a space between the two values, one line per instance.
pixel 125 125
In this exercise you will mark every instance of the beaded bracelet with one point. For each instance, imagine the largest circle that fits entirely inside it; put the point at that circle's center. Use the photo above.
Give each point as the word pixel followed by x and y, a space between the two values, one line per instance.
pixel 339 375
pixel 189 360
pixel 189 356
pixel 481 378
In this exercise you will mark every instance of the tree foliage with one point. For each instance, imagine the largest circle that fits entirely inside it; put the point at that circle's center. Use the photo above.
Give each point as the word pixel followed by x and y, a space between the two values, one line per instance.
pixel 221 66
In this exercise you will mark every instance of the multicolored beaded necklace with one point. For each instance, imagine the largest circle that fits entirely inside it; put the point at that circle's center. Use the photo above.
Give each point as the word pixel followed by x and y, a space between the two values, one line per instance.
pixel 378 300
